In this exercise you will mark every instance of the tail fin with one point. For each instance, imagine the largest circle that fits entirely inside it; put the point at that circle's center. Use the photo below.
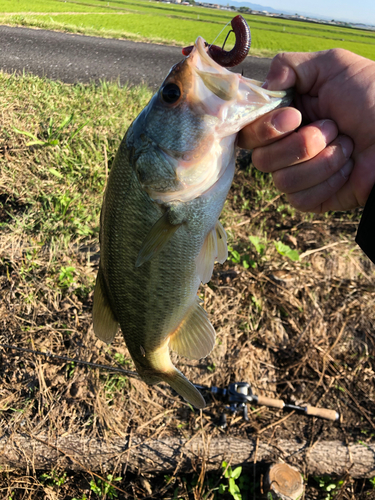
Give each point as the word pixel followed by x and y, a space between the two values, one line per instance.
pixel 184 387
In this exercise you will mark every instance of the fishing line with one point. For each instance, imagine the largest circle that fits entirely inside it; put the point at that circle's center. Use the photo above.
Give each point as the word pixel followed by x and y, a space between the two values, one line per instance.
pixel 50 355
pixel 217 36
pixel 238 393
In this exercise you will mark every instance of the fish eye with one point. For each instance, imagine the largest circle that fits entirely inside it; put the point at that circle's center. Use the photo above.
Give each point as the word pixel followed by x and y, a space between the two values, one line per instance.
pixel 171 93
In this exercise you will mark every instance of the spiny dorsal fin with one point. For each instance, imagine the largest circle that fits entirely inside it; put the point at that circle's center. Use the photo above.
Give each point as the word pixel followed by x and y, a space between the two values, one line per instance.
pixel 105 324
pixel 158 236
pixel 195 336
pixel 214 248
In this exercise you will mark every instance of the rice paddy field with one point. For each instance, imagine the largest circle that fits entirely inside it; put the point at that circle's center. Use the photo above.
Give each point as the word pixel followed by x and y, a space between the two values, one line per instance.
pixel 180 25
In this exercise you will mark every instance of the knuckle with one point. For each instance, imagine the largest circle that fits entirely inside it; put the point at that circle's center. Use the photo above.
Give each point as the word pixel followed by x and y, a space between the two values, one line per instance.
pixel 299 201
pixel 313 142
pixel 282 180
pixel 332 161
pixel 262 159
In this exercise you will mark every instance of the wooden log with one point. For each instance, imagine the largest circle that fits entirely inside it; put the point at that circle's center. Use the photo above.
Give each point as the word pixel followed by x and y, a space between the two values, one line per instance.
pixel 76 453
pixel 284 482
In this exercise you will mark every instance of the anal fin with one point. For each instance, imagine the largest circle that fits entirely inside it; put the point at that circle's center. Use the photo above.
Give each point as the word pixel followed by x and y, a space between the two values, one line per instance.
pixel 214 248
pixel 105 324
pixel 195 336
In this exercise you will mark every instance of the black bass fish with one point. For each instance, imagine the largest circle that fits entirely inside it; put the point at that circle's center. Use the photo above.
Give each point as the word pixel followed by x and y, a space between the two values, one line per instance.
pixel 160 234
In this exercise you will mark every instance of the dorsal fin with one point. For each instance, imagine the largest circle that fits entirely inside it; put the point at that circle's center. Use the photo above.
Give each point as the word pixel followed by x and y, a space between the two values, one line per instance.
pixel 195 336
pixel 105 324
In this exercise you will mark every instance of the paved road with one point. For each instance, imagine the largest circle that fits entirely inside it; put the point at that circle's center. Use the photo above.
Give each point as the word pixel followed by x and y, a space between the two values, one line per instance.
pixel 75 58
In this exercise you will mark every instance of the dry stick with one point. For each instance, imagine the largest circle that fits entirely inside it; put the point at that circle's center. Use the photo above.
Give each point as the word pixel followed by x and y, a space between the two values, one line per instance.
pixel 254 463
pixel 128 450
pixel 351 395
pixel 360 269
pixel 276 423
pixel 309 252
pixel 328 353
pixel 78 463
pixel 155 418
pixel 106 166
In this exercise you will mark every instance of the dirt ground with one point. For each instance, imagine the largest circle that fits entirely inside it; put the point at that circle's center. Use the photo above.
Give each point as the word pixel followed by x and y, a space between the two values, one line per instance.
pixel 300 328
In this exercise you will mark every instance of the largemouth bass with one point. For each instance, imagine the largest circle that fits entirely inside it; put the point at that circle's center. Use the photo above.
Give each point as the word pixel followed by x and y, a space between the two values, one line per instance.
pixel 160 233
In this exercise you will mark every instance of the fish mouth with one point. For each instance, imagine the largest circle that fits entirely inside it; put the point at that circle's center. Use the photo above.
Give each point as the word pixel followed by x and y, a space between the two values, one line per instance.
pixel 220 90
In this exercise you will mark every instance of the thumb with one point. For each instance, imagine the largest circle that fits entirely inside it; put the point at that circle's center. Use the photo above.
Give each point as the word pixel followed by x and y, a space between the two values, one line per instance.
pixel 297 69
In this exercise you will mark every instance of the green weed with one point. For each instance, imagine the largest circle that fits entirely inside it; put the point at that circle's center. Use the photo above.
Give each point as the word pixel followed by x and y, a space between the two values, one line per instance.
pixel 286 250
pixel 53 479
pixel 328 486
pixel 237 484
pixel 104 488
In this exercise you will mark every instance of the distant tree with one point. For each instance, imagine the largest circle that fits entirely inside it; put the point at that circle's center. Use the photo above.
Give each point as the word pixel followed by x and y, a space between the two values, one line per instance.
pixel 243 9
pixel 233 7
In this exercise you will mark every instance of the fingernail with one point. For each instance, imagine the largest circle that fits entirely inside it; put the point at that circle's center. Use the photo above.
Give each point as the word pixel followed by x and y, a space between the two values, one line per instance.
pixel 346 145
pixel 328 129
pixel 286 120
pixel 347 168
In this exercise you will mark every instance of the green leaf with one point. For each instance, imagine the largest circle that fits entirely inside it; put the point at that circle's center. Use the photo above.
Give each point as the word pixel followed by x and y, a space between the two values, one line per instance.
pixel 36 143
pixel 256 241
pixel 236 473
pixel 24 132
pixel 235 257
pixel 65 122
pixel 286 251
pixel 73 134
pixel 222 488
pixel 55 172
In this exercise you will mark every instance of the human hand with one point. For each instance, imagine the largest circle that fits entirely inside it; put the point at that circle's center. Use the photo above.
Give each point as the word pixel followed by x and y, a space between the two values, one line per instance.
pixel 329 163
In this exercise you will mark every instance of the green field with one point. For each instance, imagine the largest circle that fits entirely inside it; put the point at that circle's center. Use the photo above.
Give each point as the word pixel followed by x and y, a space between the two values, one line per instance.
pixel 180 25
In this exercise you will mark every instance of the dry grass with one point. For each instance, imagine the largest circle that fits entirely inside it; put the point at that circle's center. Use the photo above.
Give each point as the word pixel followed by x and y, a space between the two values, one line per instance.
pixel 302 330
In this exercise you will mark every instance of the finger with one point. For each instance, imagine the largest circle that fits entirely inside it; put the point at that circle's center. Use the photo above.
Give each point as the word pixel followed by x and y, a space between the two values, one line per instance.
pixel 315 199
pixel 269 128
pixel 317 170
pixel 295 148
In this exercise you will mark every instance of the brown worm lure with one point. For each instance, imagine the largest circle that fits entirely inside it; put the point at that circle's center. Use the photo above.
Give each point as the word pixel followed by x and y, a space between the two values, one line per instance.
pixel 231 58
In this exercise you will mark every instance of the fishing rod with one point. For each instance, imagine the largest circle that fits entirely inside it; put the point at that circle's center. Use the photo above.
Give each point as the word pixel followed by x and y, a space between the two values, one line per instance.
pixel 239 394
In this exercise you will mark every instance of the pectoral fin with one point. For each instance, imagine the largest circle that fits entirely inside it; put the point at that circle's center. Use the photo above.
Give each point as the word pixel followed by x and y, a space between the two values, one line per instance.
pixel 195 336
pixel 105 324
pixel 214 248
pixel 158 236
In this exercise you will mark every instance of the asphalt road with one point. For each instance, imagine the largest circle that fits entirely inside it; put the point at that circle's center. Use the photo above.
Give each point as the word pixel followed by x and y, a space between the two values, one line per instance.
pixel 76 58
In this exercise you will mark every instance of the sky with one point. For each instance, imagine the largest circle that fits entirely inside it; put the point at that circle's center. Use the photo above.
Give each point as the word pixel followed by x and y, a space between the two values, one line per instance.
pixel 361 11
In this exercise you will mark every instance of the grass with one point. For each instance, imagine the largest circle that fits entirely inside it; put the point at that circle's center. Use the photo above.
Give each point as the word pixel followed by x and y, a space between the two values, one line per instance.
pixel 295 324
pixel 179 25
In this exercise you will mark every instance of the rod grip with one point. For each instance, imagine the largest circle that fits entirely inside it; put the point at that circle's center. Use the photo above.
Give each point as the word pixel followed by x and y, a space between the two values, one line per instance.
pixel 321 412
pixel 273 403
